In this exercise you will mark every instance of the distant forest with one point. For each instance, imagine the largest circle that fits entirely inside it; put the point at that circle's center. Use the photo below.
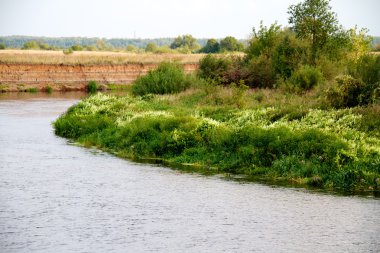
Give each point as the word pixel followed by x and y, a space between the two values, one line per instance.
pixel 182 44
pixel 67 42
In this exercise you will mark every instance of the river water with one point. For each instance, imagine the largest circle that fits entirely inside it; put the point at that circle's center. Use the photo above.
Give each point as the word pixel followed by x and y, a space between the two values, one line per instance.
pixel 58 197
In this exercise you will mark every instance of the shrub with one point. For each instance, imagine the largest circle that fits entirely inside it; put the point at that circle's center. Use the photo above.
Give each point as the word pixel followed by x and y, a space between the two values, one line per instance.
pixel 151 47
pixel 212 67
pixel 263 41
pixel 367 68
pixel 166 79
pixel 259 72
pixel 68 51
pixel 92 87
pixel 32 90
pixel 76 48
pixel 305 78
pixel 49 89
pixel 231 44
pixel 238 92
pixel 288 55
pixel 2 46
pixel 350 92
pixel 212 46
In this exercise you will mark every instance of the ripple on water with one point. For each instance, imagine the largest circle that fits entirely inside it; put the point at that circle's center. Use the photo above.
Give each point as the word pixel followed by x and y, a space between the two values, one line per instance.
pixel 60 197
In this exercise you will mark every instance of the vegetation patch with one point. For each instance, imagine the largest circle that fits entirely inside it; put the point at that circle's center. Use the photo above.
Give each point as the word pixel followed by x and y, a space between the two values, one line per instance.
pixel 92 87
pixel 301 106
pixel 320 148
pixel 166 79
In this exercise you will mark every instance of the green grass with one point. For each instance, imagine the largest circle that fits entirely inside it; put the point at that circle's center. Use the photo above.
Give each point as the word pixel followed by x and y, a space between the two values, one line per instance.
pixel 260 138
pixel 32 90
pixel 92 87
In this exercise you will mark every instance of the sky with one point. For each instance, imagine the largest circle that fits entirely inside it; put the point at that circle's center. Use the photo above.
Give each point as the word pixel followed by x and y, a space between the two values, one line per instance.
pixel 164 18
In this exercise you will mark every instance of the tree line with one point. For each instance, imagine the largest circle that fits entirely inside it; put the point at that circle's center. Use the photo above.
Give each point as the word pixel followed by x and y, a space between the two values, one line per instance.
pixel 183 44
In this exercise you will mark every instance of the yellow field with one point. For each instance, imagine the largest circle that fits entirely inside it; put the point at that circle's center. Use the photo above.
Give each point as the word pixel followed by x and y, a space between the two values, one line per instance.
pixel 91 57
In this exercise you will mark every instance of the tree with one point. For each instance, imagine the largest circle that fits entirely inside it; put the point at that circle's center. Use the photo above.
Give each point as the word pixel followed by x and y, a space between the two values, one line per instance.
pixel 151 47
pixel 231 44
pixel 264 40
pixel 313 20
pixel 288 54
pixel 2 46
pixel 132 48
pixel 76 47
pixel 212 46
pixel 31 45
pixel 185 41
pixel 359 43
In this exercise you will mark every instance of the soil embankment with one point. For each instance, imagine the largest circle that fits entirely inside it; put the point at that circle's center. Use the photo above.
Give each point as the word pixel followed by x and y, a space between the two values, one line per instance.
pixel 65 77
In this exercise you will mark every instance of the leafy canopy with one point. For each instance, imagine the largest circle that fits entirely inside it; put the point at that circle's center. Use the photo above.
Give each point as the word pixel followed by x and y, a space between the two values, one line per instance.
pixel 315 21
pixel 212 46
pixel 231 44
pixel 185 41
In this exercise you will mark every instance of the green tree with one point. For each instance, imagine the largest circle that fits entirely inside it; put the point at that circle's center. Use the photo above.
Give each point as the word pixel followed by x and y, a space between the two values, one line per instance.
pixel 315 21
pixel 2 46
pixel 132 48
pixel 77 47
pixel 151 47
pixel 212 46
pixel 263 41
pixel 185 41
pixel 359 43
pixel 288 54
pixel 31 45
pixel 231 44
pixel 101 45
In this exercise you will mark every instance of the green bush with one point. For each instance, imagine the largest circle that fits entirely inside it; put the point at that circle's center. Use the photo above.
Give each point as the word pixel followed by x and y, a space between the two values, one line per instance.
pixel 212 46
pixel 367 68
pixel 31 45
pixel 168 78
pixel 32 90
pixel 259 72
pixel 151 47
pixel 68 51
pixel 2 46
pixel 92 87
pixel 288 55
pixel 213 67
pixel 305 78
pixel 350 92
pixel 76 47
pixel 49 89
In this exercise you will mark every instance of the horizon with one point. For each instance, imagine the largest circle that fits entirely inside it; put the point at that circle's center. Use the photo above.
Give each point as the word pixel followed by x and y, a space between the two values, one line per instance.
pixel 148 19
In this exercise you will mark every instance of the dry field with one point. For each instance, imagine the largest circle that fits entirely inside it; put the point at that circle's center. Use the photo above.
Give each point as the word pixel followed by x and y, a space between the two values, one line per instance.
pixel 91 58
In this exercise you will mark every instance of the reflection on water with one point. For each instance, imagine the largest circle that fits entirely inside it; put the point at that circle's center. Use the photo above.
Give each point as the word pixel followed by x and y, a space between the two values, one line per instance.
pixel 56 197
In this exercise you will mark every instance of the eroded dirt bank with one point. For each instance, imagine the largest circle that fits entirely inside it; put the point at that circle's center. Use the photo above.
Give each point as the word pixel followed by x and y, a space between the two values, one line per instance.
pixel 65 77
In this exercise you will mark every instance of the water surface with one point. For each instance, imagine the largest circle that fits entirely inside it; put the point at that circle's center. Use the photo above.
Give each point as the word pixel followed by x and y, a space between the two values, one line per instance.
pixel 57 197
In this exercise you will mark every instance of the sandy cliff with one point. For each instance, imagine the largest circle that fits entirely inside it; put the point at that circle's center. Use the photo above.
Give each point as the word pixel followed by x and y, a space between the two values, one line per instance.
pixel 19 77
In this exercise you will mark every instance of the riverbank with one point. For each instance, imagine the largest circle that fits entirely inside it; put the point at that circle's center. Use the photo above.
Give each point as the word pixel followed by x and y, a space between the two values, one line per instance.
pixel 35 70
pixel 218 132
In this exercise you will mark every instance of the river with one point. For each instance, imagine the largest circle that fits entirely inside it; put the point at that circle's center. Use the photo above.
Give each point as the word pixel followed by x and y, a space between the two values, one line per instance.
pixel 58 197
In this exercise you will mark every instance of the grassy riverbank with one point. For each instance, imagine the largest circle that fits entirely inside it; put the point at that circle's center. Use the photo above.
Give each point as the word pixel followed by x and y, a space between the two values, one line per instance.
pixel 227 130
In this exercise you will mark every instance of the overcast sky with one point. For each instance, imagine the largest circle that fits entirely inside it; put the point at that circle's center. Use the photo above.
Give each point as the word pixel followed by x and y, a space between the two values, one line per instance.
pixel 164 18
